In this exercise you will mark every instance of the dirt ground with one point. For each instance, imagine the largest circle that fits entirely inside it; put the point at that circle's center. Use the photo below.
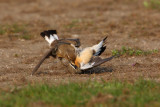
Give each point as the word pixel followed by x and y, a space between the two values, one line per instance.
pixel 127 22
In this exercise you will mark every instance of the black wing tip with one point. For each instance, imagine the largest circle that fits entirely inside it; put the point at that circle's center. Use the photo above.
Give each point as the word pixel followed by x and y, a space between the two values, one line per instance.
pixel 48 33
pixel 105 38
pixel 52 32
pixel 103 48
pixel 42 34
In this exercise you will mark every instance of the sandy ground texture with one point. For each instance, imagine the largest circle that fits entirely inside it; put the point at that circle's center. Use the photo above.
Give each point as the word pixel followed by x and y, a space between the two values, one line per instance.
pixel 127 22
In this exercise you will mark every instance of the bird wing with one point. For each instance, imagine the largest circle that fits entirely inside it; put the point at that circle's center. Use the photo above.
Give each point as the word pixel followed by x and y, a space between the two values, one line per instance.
pixel 100 47
pixel 75 42
pixel 100 61
pixel 52 52
pixel 95 62
pixel 46 55
pixel 49 35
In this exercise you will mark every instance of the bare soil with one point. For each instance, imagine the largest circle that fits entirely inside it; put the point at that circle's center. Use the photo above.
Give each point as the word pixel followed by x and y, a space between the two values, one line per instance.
pixel 127 22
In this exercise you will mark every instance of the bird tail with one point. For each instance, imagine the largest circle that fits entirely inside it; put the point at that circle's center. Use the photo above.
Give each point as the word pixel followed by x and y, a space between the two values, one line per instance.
pixel 100 47
pixel 49 35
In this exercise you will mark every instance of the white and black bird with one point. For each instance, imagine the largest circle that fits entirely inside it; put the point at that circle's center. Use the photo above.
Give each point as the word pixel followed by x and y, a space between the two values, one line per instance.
pixel 89 57
pixel 69 49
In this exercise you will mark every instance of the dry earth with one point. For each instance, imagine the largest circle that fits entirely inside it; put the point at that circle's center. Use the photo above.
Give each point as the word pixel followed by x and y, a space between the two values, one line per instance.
pixel 127 22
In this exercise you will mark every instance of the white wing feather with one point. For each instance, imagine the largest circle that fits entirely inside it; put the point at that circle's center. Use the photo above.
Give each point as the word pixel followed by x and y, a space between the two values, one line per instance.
pixel 97 48
pixel 87 66
pixel 51 38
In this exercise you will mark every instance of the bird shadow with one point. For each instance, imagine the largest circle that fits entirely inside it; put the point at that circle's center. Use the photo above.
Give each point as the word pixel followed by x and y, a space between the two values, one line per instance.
pixel 97 70
pixel 55 72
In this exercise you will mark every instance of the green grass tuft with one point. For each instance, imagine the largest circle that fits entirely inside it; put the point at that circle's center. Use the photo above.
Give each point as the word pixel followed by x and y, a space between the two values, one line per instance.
pixel 91 93
pixel 74 23
pixel 79 24
pixel 154 4
pixel 15 30
pixel 132 52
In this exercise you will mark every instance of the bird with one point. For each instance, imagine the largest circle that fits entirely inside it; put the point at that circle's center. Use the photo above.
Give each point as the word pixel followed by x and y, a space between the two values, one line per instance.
pixel 59 48
pixel 89 57
pixel 70 49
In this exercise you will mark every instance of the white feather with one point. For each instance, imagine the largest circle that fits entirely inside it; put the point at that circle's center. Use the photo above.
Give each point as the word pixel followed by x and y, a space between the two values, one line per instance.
pixel 97 48
pixel 55 36
pixel 47 39
pixel 87 66
pixel 51 38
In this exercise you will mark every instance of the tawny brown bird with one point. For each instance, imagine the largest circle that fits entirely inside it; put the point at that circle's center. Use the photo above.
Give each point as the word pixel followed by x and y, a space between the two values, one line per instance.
pixel 78 58
pixel 59 48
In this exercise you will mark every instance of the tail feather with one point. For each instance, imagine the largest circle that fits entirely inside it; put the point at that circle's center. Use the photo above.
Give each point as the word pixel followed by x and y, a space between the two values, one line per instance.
pixel 49 35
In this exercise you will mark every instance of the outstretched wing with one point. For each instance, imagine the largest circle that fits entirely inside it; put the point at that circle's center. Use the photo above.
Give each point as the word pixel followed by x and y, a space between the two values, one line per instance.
pixel 95 62
pixel 99 48
pixel 98 61
pixel 46 55
pixel 51 52
pixel 49 35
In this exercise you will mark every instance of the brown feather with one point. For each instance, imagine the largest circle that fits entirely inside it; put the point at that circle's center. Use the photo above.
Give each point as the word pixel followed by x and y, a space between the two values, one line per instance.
pixel 46 55
pixel 61 49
